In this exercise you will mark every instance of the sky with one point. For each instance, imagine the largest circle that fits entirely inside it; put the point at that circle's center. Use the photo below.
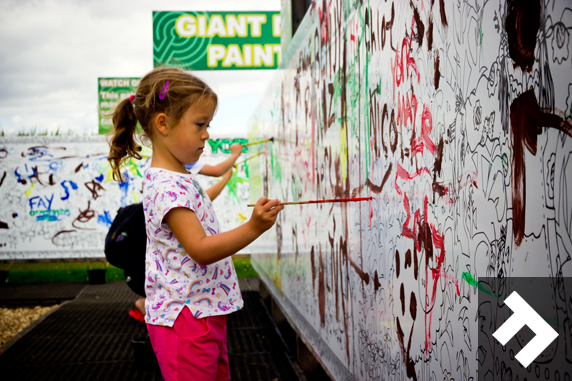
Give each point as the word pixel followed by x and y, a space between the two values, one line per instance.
pixel 52 52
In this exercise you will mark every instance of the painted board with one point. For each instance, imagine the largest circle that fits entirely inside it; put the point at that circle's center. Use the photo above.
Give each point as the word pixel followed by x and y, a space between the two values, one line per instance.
pixel 454 116
pixel 58 198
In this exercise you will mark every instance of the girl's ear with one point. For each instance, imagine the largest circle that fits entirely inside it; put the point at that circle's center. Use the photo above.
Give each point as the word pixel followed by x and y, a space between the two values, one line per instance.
pixel 161 124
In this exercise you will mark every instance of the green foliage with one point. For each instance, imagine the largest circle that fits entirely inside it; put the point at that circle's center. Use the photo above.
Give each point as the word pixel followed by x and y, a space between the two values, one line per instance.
pixel 59 272
pixel 38 272
pixel 243 268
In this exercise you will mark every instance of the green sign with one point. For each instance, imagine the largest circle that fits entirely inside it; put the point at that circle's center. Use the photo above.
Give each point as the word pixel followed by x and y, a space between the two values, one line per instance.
pixel 216 40
pixel 111 91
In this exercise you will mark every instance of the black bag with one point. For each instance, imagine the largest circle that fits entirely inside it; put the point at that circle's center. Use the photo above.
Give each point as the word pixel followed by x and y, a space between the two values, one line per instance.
pixel 126 241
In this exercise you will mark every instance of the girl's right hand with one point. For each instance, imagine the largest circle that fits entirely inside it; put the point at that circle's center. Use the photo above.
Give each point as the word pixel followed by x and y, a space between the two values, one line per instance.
pixel 265 213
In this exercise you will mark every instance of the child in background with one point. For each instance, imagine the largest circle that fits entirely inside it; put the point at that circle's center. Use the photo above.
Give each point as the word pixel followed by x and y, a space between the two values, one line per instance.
pixel 191 283
pixel 219 169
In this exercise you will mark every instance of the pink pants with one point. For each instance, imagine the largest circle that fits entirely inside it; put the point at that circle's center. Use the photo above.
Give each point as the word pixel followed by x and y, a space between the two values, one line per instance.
pixel 193 349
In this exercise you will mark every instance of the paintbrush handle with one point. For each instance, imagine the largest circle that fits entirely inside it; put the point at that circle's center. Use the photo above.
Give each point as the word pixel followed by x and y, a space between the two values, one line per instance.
pixel 258 142
pixel 324 201
pixel 248 158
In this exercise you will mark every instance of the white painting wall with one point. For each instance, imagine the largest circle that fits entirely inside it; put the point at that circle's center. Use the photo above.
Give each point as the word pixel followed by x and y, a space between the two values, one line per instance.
pixel 454 117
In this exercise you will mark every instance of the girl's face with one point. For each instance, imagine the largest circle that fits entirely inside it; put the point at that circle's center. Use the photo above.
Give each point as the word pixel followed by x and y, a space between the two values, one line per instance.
pixel 187 138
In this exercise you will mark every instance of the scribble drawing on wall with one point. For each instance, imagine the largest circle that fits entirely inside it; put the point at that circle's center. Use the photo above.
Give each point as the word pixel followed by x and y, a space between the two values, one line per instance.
pixel 59 200
pixel 456 117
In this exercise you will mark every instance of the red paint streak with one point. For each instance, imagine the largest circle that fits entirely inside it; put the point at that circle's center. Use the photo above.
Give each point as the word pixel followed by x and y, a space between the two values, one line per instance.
pixel 451 195
pixel 398 64
pixel 353 38
pixel 447 276
pixel 403 174
pixel 324 23
pixel 370 213
pixel 426 127
pixel 417 146
pixel 407 232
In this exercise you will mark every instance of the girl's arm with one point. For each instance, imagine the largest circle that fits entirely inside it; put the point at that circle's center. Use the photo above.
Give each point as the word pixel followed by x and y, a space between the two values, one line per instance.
pixel 221 168
pixel 215 190
pixel 207 250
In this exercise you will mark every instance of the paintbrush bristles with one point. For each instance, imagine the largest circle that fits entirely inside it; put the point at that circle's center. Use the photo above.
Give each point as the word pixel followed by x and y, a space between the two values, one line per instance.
pixel 324 201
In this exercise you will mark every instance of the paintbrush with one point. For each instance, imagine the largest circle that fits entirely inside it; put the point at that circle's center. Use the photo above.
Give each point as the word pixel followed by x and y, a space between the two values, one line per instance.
pixel 251 157
pixel 258 142
pixel 324 201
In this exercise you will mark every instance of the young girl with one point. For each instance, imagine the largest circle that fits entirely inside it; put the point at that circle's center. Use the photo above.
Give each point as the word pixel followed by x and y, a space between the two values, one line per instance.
pixel 191 283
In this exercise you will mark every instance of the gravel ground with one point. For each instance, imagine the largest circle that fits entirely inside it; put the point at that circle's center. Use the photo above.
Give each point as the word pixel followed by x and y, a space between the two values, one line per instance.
pixel 13 320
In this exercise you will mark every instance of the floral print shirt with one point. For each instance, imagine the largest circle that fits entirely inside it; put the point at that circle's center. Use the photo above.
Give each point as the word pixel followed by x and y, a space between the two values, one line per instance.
pixel 173 279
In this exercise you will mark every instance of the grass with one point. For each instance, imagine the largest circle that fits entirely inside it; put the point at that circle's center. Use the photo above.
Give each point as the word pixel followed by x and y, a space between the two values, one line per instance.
pixel 38 272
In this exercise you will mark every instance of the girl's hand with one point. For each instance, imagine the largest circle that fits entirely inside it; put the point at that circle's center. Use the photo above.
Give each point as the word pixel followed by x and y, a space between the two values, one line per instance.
pixel 236 149
pixel 265 213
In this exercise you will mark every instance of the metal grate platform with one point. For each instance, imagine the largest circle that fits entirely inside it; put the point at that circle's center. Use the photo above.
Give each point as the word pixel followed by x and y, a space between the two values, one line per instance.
pixel 22 294
pixel 90 338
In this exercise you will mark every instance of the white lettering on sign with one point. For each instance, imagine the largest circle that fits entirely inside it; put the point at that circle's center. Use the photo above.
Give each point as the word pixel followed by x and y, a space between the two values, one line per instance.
pixel 216 26
pixel 276 25
pixel 188 26
pixel 236 26
pixel 251 55
pixel 108 95
pixel 255 21
pixel 214 54
pixel 117 82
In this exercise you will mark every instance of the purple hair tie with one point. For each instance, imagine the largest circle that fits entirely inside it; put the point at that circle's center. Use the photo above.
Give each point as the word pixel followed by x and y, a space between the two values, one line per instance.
pixel 131 98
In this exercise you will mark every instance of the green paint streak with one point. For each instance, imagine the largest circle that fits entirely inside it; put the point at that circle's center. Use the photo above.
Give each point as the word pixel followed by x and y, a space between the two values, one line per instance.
pixel 366 106
pixel 233 185
pixel 246 169
pixel 481 40
pixel 467 277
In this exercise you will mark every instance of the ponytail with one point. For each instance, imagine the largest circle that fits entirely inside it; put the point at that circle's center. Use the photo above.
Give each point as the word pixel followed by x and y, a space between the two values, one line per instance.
pixel 123 145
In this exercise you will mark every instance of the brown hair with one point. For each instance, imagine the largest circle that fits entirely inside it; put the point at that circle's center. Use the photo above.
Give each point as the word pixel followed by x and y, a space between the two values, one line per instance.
pixel 183 90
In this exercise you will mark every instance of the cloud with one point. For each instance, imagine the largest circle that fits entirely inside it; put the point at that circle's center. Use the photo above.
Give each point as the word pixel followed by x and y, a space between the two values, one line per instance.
pixel 52 53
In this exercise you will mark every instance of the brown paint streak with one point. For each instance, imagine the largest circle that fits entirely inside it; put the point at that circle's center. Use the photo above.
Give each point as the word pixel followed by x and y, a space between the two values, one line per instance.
pixel 437 76
pixel 407 259
pixel 78 168
pixel 522 25
pixel 363 275
pixel 321 292
pixel 313 268
pixel 409 365
pixel 61 232
pixel 420 25
pixel 415 264
pixel 413 305
pixel 397 263
pixel 437 187
pixel 377 189
pixel 430 34
pixel 527 121
pixel 3 177
pixel 376 284
pixel 442 10
pixel 402 298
